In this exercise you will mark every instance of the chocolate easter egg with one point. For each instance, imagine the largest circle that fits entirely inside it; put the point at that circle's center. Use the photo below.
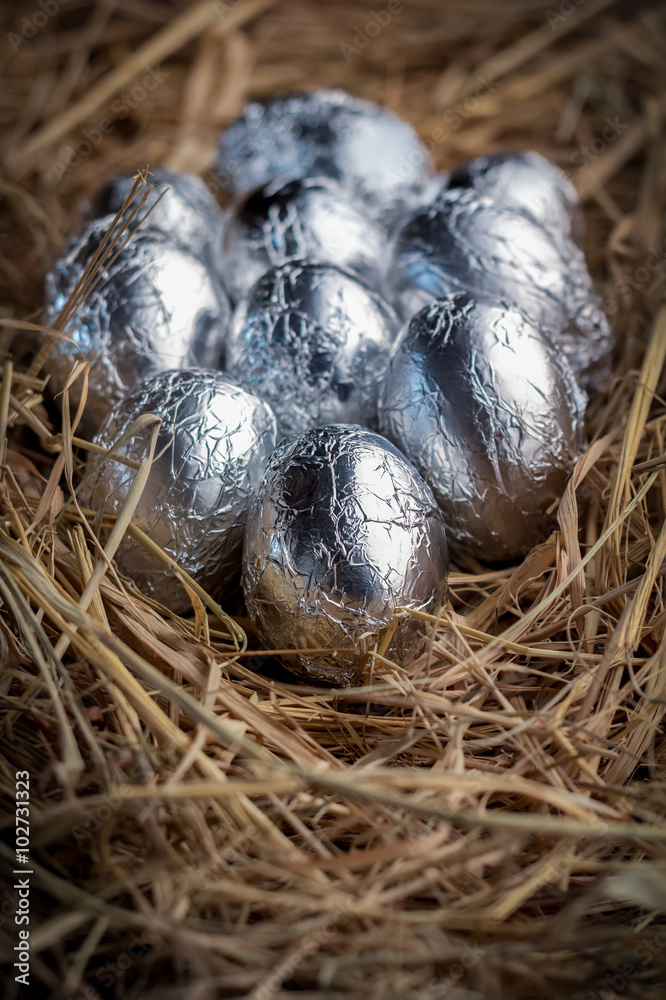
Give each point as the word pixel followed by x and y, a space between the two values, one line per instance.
pixel 327 133
pixel 312 219
pixel 212 448
pixel 180 206
pixel 527 182
pixel 155 307
pixel 463 242
pixel 314 342
pixel 343 532
pixel 491 416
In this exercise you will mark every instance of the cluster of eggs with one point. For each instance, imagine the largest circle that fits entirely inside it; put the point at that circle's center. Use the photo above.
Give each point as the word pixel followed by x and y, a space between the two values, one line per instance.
pixel 352 363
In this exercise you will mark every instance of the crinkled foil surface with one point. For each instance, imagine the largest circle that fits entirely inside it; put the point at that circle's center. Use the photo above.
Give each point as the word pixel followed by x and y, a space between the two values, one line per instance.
pixel 156 307
pixel 216 440
pixel 313 218
pixel 342 533
pixel 327 133
pixel 182 208
pixel 434 188
pixel 527 182
pixel 483 406
pixel 463 242
pixel 314 342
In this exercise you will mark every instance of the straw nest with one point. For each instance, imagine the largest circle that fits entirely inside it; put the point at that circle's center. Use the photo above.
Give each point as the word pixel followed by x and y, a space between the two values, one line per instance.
pixel 487 824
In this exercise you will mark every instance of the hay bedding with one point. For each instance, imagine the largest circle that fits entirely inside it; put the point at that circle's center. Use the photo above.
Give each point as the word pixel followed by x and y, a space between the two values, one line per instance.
pixel 487 825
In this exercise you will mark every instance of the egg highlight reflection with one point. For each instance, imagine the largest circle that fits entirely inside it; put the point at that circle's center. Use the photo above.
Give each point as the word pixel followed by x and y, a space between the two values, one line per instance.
pixel 463 242
pixel 314 342
pixel 212 448
pixel 327 133
pixel 529 183
pixel 342 533
pixel 154 308
pixel 180 206
pixel 308 219
pixel 480 402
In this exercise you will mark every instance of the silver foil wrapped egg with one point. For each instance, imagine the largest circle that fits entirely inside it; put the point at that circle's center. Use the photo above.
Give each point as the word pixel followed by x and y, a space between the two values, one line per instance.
pixel 314 342
pixel 434 188
pixel 155 307
pixel 529 183
pixel 327 133
pixel 182 208
pixel 490 415
pixel 342 533
pixel 463 242
pixel 212 448
pixel 308 219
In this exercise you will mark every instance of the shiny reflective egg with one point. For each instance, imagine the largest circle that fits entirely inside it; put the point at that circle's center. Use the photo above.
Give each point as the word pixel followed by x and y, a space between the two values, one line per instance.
pixel 154 307
pixel 311 219
pixel 343 532
pixel 490 415
pixel 313 341
pixel 212 449
pixel 180 206
pixel 462 242
pixel 327 133
pixel 527 182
